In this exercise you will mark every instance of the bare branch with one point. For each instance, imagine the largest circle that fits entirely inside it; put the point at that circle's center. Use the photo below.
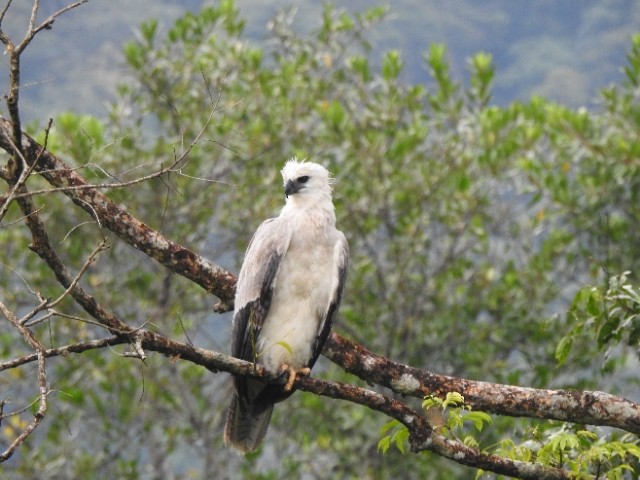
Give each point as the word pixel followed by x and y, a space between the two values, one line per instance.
pixel 47 305
pixel 65 351
pixel 14 52
pixel 112 186
pixel 42 382
pixel 5 10
pixel 25 171
pixel 34 14
pixel 55 313
pixel 177 258
pixel 102 246
pixel 45 25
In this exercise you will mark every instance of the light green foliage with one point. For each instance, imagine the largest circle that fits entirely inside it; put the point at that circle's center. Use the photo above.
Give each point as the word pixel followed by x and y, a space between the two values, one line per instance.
pixel 456 414
pixel 471 227
pixel 583 452
pixel 398 437
pixel 611 315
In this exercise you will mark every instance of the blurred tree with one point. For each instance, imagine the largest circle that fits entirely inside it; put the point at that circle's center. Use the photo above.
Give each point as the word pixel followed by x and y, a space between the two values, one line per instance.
pixel 471 228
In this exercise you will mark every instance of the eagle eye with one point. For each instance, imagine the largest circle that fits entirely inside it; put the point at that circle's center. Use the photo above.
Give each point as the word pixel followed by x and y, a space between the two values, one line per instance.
pixel 303 179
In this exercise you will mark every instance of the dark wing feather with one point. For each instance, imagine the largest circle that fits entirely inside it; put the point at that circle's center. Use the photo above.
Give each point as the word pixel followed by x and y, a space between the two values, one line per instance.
pixel 341 259
pixel 248 320
pixel 254 290
pixel 254 293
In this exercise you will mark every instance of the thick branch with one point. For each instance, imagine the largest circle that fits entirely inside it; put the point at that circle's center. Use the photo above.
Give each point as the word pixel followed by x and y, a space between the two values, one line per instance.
pixel 423 437
pixel 210 276
pixel 584 407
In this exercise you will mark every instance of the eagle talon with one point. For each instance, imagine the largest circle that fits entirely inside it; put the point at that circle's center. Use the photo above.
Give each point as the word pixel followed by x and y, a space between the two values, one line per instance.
pixel 292 374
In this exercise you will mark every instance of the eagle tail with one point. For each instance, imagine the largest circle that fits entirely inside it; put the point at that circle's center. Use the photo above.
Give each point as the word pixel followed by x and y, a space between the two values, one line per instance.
pixel 246 425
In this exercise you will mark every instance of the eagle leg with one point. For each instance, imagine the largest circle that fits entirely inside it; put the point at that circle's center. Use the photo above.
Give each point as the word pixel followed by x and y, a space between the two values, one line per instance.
pixel 292 373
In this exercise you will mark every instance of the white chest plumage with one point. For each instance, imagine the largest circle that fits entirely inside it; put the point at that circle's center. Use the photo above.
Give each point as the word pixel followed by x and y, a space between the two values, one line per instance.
pixel 302 292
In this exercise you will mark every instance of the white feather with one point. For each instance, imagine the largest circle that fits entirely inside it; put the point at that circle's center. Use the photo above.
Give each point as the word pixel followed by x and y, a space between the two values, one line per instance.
pixel 306 256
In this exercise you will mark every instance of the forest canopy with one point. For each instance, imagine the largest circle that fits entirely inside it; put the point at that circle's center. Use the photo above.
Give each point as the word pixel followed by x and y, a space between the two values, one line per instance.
pixel 494 245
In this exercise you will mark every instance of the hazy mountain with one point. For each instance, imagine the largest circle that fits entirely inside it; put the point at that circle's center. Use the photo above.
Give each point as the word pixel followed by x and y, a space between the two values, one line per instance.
pixel 562 50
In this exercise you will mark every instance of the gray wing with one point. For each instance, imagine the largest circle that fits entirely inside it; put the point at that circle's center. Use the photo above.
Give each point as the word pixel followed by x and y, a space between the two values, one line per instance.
pixel 253 400
pixel 256 282
pixel 252 403
pixel 341 262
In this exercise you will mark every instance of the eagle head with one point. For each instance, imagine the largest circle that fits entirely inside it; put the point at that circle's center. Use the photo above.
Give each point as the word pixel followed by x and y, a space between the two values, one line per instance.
pixel 306 179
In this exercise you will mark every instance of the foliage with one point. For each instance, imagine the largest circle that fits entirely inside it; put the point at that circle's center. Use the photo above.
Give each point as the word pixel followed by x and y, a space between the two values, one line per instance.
pixel 456 412
pixel 582 452
pixel 610 316
pixel 471 227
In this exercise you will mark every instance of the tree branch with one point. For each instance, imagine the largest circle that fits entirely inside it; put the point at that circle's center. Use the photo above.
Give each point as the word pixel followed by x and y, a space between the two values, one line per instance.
pixel 42 382
pixel 64 351
pixel 177 258
pixel 582 407
pixel 423 436
pixel 25 171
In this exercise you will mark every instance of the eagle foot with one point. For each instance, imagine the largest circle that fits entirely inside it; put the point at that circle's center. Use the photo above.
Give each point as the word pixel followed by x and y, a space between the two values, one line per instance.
pixel 292 373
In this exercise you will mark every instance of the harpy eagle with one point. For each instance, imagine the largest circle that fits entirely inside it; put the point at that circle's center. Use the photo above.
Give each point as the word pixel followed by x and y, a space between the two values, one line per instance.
pixel 288 292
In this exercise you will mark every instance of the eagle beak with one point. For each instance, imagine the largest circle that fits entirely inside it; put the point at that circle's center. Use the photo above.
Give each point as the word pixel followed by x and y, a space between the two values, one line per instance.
pixel 290 188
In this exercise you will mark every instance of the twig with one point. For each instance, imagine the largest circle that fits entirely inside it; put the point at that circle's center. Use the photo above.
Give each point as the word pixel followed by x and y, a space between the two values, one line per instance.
pixel 15 52
pixel 45 25
pixel 4 11
pixel 54 313
pixel 102 246
pixel 65 350
pixel 26 170
pixel 19 219
pixel 46 304
pixel 42 382
pixel 180 260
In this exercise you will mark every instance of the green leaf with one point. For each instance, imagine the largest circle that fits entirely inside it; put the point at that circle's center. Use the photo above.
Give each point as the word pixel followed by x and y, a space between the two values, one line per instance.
pixel 360 65
pixel 478 419
pixel 286 346
pixel 384 444
pixel 148 30
pixel 336 114
pixel 390 425
pixel 593 303
pixel 563 349
pixel 400 438
pixel 453 399
pixel 391 65
pixel 607 331
pixel 431 402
